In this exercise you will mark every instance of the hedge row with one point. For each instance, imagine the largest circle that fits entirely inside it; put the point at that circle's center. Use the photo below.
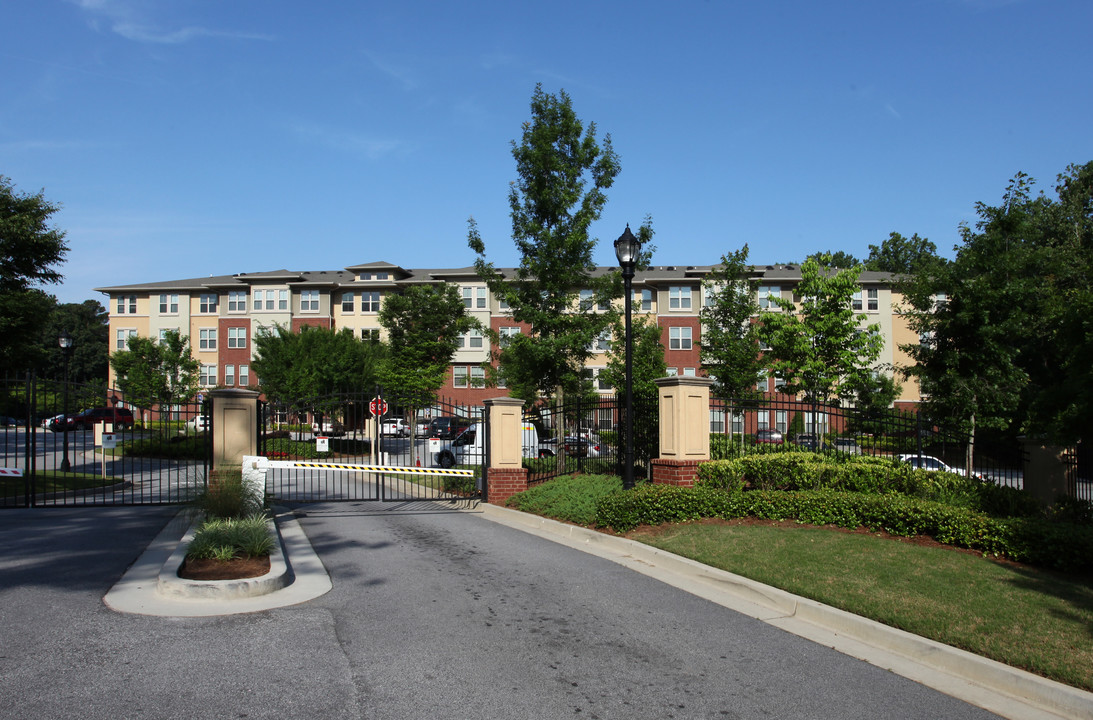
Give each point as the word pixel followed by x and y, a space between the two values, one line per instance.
pixel 1036 541
pixel 864 474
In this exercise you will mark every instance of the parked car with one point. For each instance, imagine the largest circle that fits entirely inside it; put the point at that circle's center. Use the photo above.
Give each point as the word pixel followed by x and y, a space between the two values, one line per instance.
pixel 122 419
pixel 395 427
pixel 582 447
pixel 198 423
pixel 7 421
pixel 448 427
pixel 808 441
pixel 845 445
pixel 928 462
pixel 769 437
pixel 467 448
pixel 421 428
pixel 330 428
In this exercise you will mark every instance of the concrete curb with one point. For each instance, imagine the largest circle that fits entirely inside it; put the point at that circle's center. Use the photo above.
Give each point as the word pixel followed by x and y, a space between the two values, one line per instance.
pixel 1001 689
pixel 170 584
pixel 138 591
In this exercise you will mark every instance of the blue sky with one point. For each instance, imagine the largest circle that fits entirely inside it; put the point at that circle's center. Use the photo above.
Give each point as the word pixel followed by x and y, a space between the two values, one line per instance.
pixel 207 137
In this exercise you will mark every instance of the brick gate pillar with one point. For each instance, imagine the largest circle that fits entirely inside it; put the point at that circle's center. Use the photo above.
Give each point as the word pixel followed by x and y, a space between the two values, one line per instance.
pixel 684 429
pixel 234 425
pixel 505 471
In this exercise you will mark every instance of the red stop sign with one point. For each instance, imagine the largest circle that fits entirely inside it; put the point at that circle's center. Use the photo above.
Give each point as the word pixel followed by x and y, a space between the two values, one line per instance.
pixel 378 406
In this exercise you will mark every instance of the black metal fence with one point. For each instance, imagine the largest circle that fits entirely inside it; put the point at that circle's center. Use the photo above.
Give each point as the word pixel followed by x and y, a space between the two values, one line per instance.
pixel 586 435
pixel 789 424
pixel 378 428
pixel 67 444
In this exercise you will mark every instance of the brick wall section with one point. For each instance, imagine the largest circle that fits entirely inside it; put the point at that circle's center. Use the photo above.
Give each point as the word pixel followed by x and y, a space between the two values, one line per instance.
pixel 681 473
pixel 503 483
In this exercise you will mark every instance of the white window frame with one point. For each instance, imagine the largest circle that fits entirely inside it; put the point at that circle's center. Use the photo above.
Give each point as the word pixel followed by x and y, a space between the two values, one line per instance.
pixel 309 301
pixel 121 338
pixel 206 338
pixel 349 299
pixel 237 338
pixel 244 376
pixel 127 305
pixel 168 304
pixel 237 301
pixel 370 301
pixel 767 294
pixel 645 303
pixel 209 304
pixel 207 376
pixel 872 299
pixel 679 297
pixel 460 376
pixel 257 302
pixel 678 339
pixel 282 299
pixel 505 334
pixel 477 376
pixel 229 375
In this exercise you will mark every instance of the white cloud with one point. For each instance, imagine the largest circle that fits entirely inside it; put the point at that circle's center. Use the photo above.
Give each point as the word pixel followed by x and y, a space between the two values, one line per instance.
pixel 372 148
pixel 130 20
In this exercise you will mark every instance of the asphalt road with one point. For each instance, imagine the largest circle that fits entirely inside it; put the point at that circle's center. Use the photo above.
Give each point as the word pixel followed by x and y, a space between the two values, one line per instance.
pixel 433 614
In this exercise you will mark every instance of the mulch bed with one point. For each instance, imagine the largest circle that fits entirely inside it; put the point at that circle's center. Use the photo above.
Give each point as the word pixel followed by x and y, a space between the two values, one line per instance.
pixel 234 569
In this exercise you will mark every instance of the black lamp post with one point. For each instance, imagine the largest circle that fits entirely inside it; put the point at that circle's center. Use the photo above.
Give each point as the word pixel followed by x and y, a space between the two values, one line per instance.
pixel 65 341
pixel 627 248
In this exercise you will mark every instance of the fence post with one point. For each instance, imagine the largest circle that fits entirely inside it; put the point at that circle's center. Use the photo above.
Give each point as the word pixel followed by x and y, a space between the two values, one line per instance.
pixel 684 429
pixel 234 426
pixel 505 471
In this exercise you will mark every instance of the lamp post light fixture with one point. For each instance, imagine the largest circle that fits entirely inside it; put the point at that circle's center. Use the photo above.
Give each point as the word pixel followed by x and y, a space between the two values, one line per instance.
pixel 627 248
pixel 65 341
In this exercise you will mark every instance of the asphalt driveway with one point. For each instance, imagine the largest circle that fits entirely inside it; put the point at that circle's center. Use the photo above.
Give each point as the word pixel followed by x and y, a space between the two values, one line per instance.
pixel 433 614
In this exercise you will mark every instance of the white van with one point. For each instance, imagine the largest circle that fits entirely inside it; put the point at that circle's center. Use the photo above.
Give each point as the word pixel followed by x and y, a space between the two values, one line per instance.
pixel 469 447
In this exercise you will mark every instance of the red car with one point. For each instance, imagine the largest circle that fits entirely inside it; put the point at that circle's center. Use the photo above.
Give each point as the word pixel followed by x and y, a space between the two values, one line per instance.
pixel 769 437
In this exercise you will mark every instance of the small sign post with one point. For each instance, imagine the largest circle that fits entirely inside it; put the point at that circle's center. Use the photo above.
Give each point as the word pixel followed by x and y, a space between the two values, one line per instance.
pixel 109 442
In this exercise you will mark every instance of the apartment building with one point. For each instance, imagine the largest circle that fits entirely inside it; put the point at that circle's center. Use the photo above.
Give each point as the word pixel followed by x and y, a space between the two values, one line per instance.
pixel 222 314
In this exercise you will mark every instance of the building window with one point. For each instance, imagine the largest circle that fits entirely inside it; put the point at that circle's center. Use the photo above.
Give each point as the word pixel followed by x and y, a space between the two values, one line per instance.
pixel 459 376
pixel 872 296
pixel 601 382
pixel 586 301
pixel 370 335
pixel 168 304
pixel 671 372
pixel 679 297
pixel 244 375
pixel 480 298
pixel 763 420
pixel 503 304
pixel 229 375
pixel 237 301
pixel 478 376
pixel 688 372
pixel 370 302
pixel 781 423
pixel 767 296
pixel 738 422
pixel 309 301
pixel 505 335
pixel 603 342
pixel 855 302
pixel 127 305
pixel 207 376
pixel 468 297
pixel 282 299
pixel 207 339
pixel 779 383
pixel 237 337
pixel 163 333
pixel 209 303
pixel 122 338
pixel 258 302
pixel 679 338
pixel 348 299
pixel 366 276
pixel 474 339
pixel 717 422
pixel 761 383
pixel 646 302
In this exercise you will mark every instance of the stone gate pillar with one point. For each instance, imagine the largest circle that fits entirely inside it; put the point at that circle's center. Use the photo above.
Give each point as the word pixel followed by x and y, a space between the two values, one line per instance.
pixel 234 426
pixel 505 471
pixel 684 429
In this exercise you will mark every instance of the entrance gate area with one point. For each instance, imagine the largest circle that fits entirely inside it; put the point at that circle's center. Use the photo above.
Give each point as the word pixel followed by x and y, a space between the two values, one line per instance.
pixel 334 448
pixel 55 447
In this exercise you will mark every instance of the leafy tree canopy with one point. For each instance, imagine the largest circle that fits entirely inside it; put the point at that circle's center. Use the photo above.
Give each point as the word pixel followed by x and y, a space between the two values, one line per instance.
pixel 823 349
pixel 30 251
pixel 904 256
pixel 647 357
pixel 836 259
pixel 730 342
pixel 156 373
pixel 563 173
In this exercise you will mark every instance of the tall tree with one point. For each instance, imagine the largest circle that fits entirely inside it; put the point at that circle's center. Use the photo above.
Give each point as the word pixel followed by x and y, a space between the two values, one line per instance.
pixel 824 350
pixel 423 327
pixel 730 341
pixel 1005 326
pixel 903 256
pixel 30 252
pixel 153 373
pixel 563 174
pixel 88 323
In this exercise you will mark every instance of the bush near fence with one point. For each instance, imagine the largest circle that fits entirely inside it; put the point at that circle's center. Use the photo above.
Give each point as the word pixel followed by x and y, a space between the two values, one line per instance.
pixel 876 493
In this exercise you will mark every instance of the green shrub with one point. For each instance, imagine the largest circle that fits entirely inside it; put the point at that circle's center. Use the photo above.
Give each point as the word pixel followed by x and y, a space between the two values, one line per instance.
pixel 225 495
pixel 227 538
pixel 571 498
